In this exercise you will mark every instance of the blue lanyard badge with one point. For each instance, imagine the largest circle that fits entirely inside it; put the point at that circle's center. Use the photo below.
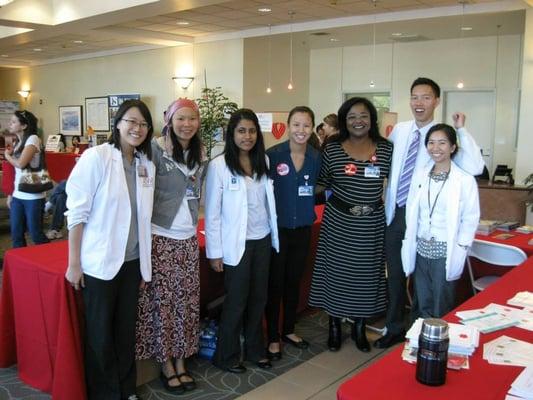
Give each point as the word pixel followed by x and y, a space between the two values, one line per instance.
pixel 233 183
pixel 306 190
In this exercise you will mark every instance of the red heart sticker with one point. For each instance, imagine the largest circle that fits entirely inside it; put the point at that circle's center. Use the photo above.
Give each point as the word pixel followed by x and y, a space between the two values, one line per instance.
pixel 463 336
pixel 278 129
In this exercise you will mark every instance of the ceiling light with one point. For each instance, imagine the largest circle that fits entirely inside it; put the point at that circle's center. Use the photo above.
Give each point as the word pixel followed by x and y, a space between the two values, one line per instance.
pixel 269 88
pixel 4 55
pixel 5 2
pixel 183 23
pixel 396 34
pixel 264 9
pixel 37 49
pixel 289 86
pixel 460 85
pixel 24 93
pixel 333 39
pixel 77 41
pixel 466 28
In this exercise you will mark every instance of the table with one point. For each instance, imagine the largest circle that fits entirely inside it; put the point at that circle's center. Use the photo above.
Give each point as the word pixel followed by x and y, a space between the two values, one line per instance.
pixel 393 378
pixel 60 165
pixel 40 314
pixel 519 240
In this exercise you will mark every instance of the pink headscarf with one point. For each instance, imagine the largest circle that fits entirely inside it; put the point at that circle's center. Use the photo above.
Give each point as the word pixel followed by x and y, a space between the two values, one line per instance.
pixel 176 105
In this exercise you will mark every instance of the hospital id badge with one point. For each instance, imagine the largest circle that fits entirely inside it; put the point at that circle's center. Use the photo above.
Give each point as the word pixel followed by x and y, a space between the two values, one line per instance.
pixel 305 190
pixel 233 183
pixel 147 181
pixel 371 171
pixel 192 192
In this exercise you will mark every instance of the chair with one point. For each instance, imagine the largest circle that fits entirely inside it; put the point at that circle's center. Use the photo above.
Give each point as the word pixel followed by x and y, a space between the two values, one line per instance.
pixel 492 253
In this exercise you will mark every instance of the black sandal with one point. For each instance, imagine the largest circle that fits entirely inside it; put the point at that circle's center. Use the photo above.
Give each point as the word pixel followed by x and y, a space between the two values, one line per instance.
pixel 180 389
pixel 188 385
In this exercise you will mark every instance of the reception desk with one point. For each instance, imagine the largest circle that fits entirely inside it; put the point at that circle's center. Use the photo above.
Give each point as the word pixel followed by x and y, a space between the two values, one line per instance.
pixel 503 202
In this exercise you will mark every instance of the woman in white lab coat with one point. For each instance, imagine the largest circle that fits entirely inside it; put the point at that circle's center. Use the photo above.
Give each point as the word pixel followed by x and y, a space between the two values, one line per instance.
pixel 441 220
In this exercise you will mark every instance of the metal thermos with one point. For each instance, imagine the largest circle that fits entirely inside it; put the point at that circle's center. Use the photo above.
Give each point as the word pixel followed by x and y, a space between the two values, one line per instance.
pixel 432 352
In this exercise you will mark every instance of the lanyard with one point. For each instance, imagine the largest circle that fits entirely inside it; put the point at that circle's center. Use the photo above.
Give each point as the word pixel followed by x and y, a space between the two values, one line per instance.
pixel 432 207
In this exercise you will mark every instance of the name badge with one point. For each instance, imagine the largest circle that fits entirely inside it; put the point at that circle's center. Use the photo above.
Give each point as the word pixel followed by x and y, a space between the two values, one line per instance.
pixel 192 191
pixel 141 171
pixel 147 181
pixel 372 171
pixel 233 183
pixel 305 190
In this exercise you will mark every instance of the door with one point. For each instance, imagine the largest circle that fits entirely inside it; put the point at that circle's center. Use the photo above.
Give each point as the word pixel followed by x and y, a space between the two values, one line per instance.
pixel 479 108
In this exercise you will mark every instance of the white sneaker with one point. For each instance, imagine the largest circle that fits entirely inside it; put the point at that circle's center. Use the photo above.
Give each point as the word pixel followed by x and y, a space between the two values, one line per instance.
pixel 53 234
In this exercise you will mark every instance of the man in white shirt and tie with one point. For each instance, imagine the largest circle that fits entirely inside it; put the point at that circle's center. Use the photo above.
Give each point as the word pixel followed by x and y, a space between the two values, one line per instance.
pixel 410 155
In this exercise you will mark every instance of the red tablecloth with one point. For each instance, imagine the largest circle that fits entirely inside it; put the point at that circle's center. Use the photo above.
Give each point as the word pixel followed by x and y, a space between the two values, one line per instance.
pixel 39 321
pixel 392 378
pixel 519 240
pixel 60 165
pixel 8 178
pixel 40 314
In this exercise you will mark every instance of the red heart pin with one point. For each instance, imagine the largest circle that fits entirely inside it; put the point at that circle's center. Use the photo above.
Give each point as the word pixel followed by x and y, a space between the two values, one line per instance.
pixel 278 129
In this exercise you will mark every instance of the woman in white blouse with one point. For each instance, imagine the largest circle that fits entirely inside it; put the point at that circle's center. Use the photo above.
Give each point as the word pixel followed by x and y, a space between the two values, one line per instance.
pixel 441 220
pixel 240 222
pixel 109 199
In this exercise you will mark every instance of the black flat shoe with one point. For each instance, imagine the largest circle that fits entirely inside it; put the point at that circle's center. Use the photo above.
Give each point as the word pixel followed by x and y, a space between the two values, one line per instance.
pixel 389 340
pixel 335 334
pixel 234 369
pixel 188 385
pixel 301 344
pixel 180 389
pixel 273 355
pixel 264 364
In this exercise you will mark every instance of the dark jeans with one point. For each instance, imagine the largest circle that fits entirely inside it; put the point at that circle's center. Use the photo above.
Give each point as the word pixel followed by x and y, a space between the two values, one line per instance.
pixel 436 296
pixel 110 317
pixel 26 213
pixel 245 286
pixel 286 270
pixel 396 280
pixel 58 198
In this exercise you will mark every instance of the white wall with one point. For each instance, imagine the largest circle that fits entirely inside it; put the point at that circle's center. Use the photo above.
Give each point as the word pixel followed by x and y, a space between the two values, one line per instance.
pixel 349 69
pixel 148 73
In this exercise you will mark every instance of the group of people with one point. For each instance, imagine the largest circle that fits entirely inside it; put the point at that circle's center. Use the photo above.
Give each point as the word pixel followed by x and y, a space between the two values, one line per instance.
pixel 133 206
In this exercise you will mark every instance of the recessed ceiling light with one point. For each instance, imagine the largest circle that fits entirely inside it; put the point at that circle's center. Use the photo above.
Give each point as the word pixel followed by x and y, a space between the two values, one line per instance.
pixel 333 39
pixel 37 49
pixel 182 23
pixel 78 41
pixel 264 9
pixel 4 55
pixel 397 34
pixel 466 28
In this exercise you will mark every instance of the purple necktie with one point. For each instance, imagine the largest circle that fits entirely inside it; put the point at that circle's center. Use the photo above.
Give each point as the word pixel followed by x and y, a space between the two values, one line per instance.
pixel 407 171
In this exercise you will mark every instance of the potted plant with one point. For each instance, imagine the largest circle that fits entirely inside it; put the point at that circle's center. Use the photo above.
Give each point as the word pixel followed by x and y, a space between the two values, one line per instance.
pixel 214 109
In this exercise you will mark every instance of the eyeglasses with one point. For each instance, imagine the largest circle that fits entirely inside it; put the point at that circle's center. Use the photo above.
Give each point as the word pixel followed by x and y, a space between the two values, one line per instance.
pixel 135 124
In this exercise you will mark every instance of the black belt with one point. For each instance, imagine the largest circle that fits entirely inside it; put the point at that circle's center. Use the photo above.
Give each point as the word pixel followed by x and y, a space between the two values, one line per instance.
pixel 357 210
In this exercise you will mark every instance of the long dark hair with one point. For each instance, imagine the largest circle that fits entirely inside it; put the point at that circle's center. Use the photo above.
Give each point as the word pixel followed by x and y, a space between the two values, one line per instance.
pixel 343 112
pixel 231 151
pixel 195 146
pixel 27 118
pixel 145 147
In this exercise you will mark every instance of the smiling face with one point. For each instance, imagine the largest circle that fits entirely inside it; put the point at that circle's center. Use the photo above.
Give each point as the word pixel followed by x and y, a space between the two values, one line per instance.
pixel 300 128
pixel 16 127
pixel 423 103
pixel 185 124
pixel 133 129
pixel 245 135
pixel 358 121
pixel 440 148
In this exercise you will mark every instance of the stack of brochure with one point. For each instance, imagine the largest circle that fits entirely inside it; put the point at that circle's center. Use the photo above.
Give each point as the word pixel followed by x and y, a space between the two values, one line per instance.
pixel 455 361
pixel 522 387
pixel 486 226
pixel 525 229
pixel 522 299
pixel 506 350
pixel 495 317
pixel 463 339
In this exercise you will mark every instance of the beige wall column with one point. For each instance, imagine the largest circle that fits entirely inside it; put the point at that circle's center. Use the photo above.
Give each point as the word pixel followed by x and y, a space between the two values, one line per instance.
pixel 524 162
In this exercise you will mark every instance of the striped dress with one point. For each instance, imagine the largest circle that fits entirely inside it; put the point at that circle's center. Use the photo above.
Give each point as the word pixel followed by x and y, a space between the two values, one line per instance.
pixel 349 275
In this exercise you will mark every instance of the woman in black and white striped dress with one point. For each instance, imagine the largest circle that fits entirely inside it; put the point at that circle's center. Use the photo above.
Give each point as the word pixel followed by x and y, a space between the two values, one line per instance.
pixel 349 276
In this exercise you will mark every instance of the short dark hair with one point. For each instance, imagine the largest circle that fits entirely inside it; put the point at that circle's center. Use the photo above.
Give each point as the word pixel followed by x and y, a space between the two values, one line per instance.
pixel 231 151
pixel 429 82
pixel 301 109
pixel 145 147
pixel 448 130
pixel 27 118
pixel 343 112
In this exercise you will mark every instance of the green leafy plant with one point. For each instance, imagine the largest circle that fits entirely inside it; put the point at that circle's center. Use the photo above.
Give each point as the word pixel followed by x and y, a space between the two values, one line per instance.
pixel 214 109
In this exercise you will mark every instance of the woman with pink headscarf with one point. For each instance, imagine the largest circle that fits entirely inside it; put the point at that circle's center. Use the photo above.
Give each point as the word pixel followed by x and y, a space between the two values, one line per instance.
pixel 169 306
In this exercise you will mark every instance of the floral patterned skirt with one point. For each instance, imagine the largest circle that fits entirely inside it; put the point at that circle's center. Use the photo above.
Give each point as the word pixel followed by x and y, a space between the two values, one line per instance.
pixel 168 322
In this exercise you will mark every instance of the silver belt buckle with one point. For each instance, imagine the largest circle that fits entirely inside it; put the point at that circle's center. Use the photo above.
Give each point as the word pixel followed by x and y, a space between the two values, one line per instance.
pixel 367 210
pixel 357 211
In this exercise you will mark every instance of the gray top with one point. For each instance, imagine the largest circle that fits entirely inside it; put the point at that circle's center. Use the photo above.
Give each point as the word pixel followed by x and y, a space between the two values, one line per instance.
pixel 132 247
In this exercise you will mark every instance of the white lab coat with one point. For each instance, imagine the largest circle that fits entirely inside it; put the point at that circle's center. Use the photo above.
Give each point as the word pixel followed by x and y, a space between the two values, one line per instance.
pixel 468 158
pixel 462 209
pixel 226 212
pixel 97 196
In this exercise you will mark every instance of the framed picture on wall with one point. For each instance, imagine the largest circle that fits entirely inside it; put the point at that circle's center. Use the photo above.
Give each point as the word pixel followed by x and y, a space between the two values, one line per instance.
pixel 97 113
pixel 70 120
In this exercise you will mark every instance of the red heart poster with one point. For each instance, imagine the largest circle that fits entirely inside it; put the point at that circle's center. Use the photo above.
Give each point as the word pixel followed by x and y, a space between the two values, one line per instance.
pixel 278 129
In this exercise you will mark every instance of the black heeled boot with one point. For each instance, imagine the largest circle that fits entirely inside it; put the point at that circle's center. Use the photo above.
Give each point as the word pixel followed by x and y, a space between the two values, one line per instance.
pixel 359 335
pixel 335 334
